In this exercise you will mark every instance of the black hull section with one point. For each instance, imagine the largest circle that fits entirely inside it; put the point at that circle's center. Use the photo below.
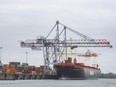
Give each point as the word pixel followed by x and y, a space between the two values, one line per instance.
pixel 68 72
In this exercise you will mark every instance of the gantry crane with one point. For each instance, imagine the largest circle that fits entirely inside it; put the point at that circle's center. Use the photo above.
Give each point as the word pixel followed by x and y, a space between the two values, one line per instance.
pixel 52 47
pixel 89 61
pixel 88 54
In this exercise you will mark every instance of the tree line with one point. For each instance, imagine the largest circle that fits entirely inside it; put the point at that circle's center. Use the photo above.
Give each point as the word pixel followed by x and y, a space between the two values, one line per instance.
pixel 108 75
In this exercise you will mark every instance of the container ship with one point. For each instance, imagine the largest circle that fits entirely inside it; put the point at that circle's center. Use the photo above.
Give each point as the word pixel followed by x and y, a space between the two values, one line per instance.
pixel 76 71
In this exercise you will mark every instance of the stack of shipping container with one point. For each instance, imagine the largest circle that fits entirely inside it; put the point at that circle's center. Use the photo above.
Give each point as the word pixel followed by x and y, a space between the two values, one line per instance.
pixel 16 70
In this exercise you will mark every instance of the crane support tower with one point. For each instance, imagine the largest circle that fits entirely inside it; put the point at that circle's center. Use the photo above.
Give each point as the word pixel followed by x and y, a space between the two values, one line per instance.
pixel 52 47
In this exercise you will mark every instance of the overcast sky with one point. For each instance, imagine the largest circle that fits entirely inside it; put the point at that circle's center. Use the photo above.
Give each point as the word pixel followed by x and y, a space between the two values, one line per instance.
pixel 25 19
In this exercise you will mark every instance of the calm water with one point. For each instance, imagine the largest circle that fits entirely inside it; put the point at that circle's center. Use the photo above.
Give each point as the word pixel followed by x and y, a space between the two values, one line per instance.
pixel 60 83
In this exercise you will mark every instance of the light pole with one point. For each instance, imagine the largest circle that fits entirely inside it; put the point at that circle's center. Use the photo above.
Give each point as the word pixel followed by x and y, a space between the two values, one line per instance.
pixel 0 54
pixel 26 57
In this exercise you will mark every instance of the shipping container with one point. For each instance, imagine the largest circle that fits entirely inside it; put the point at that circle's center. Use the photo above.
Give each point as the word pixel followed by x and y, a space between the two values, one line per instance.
pixel 12 70
pixel 24 64
pixel 41 68
pixel 31 68
pixel 14 63
pixel 37 68
pixel 0 70
pixel 0 67
pixel 25 68
pixel 19 68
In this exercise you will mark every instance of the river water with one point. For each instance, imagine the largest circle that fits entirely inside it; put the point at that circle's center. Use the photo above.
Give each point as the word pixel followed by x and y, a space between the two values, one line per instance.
pixel 59 83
